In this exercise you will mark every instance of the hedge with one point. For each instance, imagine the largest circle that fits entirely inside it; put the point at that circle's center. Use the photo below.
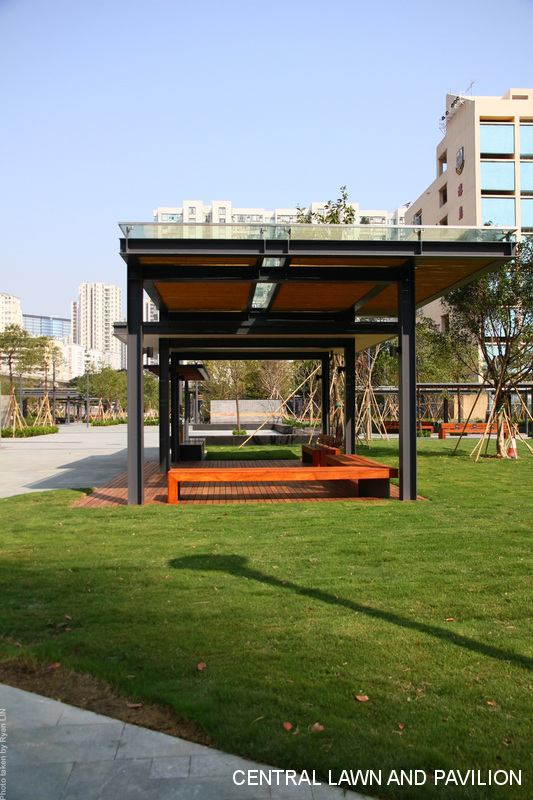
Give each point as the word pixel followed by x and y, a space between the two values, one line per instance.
pixel 31 430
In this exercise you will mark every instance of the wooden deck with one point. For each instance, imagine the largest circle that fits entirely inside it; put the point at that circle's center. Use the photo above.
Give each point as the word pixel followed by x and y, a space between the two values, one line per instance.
pixel 115 492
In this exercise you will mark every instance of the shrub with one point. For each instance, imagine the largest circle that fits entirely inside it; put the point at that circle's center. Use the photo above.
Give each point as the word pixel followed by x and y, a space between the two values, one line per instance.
pixel 31 430
pixel 237 432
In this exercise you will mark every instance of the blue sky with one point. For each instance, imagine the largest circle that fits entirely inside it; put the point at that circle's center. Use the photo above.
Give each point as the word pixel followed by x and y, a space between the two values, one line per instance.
pixel 111 108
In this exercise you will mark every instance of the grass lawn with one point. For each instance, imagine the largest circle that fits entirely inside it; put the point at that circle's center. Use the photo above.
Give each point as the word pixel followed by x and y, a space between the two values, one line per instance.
pixel 298 610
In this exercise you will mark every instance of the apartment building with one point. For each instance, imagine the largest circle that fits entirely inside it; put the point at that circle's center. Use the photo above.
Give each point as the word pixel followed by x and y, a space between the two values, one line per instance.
pixel 98 307
pixel 484 164
pixel 10 311
pixel 484 169
pixel 223 212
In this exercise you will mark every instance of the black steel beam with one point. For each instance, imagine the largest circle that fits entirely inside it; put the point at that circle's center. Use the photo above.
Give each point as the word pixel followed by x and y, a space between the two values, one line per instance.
pixel 135 388
pixel 266 326
pixel 164 407
pixel 175 273
pixel 407 386
pixel 349 397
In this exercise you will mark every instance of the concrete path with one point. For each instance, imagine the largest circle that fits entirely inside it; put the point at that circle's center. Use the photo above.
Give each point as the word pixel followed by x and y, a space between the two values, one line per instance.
pixel 52 751
pixel 77 457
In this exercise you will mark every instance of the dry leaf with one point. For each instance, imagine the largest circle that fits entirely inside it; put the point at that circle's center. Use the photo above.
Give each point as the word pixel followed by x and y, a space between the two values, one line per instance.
pixel 68 617
pixel 134 705
pixel 201 666
pixel 401 726
pixel 317 727
pixel 449 619
pixel 287 726
pixel 490 703
pixel 362 698
pixel 338 675
pixel 55 665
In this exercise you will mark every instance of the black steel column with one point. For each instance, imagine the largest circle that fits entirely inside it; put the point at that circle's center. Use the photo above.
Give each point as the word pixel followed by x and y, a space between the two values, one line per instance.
pixel 135 388
pixel 174 408
pixel 407 384
pixel 349 396
pixel 187 414
pixel 164 407
pixel 325 396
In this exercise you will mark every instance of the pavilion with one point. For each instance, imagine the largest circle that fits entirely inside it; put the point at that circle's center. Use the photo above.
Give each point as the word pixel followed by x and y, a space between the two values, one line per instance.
pixel 287 292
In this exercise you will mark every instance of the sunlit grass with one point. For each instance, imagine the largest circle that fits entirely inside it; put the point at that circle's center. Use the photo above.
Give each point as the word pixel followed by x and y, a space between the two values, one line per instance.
pixel 297 609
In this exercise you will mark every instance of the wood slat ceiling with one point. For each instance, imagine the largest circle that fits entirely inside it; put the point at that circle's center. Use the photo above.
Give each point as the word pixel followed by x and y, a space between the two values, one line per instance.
pixel 204 296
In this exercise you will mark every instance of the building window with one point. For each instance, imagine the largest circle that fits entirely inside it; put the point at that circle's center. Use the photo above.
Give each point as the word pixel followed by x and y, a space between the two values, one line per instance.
pixel 497 176
pixel 443 163
pixel 443 195
pixel 526 177
pixel 526 141
pixel 497 139
pixel 444 221
pixel 417 218
pixel 498 211
pixel 526 209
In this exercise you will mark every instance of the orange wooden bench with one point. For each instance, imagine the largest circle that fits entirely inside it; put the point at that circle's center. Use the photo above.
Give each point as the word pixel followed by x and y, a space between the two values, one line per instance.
pixel 372 476
pixel 394 427
pixel 470 427
pixel 334 472
pixel 316 452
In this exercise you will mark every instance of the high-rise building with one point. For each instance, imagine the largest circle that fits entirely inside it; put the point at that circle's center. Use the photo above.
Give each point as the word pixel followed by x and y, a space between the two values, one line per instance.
pixel 484 164
pixel 484 167
pixel 10 311
pixel 222 212
pixel 53 327
pixel 98 307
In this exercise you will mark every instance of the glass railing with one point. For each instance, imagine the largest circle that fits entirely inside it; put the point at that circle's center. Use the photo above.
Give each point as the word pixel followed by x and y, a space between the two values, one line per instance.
pixel 301 232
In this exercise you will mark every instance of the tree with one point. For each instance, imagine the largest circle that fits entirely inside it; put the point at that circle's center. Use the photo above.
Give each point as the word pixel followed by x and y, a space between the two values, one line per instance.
pixel 336 212
pixel 17 351
pixel 496 313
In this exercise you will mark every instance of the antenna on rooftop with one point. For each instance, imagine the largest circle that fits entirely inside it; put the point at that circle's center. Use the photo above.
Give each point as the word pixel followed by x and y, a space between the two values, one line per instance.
pixel 469 89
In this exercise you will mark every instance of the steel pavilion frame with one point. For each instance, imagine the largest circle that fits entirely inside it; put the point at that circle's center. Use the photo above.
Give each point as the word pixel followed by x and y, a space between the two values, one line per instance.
pixel 159 265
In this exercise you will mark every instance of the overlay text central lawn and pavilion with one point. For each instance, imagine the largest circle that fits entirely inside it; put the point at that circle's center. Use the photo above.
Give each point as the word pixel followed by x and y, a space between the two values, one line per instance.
pixel 425 608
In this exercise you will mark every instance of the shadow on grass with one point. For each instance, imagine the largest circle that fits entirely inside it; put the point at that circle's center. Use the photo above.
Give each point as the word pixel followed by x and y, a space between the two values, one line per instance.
pixel 236 565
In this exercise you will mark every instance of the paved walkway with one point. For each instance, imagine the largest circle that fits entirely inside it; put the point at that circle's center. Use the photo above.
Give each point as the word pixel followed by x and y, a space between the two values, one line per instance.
pixel 56 752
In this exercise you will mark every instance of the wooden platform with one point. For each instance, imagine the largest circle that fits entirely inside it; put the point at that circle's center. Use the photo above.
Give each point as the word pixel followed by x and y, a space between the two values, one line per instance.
pixel 115 492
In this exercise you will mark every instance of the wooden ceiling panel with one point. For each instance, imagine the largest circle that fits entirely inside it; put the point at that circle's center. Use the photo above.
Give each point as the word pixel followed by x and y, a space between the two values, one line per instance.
pixel 357 261
pixel 385 304
pixel 319 296
pixel 204 296
pixel 200 261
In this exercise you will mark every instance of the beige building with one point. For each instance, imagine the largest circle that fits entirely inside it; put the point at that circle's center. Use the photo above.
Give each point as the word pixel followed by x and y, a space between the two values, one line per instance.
pixel 10 311
pixel 484 164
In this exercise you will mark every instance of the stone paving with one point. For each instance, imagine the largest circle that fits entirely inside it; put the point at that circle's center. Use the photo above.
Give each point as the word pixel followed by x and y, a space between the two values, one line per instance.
pixel 57 752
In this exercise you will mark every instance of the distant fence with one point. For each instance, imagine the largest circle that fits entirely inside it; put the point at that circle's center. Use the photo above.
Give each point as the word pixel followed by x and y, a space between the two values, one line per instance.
pixel 252 412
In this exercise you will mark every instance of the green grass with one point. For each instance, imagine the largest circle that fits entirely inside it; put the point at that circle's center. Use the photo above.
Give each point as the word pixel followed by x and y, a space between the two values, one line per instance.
pixel 298 608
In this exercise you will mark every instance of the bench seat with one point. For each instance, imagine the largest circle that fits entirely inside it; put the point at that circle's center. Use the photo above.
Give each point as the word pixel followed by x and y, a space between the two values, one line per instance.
pixel 334 472
pixel 315 453
pixel 372 476
pixel 470 427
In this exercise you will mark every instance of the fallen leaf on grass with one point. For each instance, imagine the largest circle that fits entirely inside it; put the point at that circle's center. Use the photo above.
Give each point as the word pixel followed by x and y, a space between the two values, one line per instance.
pixel 201 666
pixel 287 726
pixel 490 703
pixel 134 705
pixel 68 617
pixel 55 665
pixel 449 619
pixel 401 726
pixel 317 727
pixel 257 720
pixel 362 698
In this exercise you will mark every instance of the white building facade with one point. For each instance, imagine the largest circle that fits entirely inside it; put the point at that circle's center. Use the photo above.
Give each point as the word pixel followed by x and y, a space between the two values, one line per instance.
pixel 98 307
pixel 223 212
pixel 10 311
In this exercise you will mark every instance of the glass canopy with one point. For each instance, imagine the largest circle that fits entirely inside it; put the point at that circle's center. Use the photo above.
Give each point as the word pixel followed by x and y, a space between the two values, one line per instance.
pixel 390 233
